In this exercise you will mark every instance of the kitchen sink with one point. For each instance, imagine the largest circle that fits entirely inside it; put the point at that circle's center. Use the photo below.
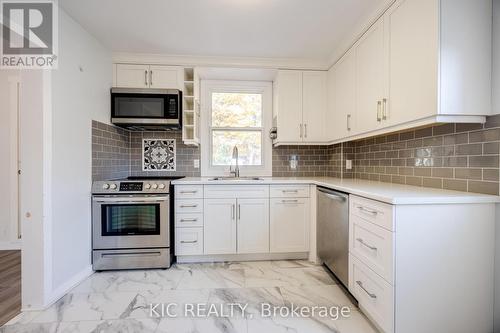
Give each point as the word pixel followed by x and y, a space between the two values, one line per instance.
pixel 236 178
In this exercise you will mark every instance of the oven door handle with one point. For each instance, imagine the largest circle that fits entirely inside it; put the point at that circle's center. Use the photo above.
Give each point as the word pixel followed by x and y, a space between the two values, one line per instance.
pixel 132 200
pixel 132 254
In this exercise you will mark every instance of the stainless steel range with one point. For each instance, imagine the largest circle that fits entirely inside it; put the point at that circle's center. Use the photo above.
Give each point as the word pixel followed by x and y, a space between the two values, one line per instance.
pixel 131 225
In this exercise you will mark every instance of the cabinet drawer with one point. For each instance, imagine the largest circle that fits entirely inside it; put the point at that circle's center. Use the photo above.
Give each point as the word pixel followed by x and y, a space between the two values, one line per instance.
pixel 374 294
pixel 188 241
pixel 236 191
pixel 373 245
pixel 189 206
pixel 184 220
pixel 189 191
pixel 372 211
pixel 289 191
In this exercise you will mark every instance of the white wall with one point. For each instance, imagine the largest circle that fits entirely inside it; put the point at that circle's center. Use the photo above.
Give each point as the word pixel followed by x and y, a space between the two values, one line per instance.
pixel 8 164
pixel 80 93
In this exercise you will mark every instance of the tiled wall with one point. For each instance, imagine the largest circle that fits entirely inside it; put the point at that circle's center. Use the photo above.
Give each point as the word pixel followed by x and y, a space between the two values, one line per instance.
pixel 313 161
pixel 117 153
pixel 184 155
pixel 110 151
pixel 462 157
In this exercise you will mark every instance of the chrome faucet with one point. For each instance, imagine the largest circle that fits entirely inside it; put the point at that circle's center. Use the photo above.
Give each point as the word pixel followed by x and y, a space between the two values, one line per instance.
pixel 236 171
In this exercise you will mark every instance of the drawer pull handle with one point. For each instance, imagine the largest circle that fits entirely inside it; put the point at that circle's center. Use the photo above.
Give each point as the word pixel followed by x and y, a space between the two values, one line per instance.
pixel 189 206
pixel 368 246
pixel 189 220
pixel 360 284
pixel 290 191
pixel 189 242
pixel 289 201
pixel 366 210
pixel 189 192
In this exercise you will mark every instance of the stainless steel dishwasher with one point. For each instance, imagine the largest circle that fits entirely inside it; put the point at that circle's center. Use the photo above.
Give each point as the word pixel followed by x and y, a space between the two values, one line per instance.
pixel 333 231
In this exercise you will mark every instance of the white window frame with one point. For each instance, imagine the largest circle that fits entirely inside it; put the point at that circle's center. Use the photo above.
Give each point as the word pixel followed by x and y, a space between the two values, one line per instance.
pixel 252 87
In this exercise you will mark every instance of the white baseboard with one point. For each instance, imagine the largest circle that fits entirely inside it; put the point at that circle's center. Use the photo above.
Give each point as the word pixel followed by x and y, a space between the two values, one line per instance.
pixel 11 245
pixel 68 285
pixel 243 257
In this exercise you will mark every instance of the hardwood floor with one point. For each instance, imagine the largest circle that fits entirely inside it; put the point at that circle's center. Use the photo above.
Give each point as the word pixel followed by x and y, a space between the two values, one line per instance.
pixel 10 285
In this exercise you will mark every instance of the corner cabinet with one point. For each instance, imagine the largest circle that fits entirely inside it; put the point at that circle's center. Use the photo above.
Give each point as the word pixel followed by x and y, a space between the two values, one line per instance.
pixel 300 104
pixel 245 222
pixel 418 64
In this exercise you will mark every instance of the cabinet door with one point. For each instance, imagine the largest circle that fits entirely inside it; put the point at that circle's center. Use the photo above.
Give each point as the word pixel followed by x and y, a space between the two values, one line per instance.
pixel 289 106
pixel 289 230
pixel 220 226
pixel 412 46
pixel 253 225
pixel 166 77
pixel 370 78
pixel 343 90
pixel 132 76
pixel 314 105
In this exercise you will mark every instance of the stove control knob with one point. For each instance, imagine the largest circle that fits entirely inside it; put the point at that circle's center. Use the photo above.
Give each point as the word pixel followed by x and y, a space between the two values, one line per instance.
pixel 161 186
pixel 105 186
pixel 147 186
pixel 155 186
pixel 112 186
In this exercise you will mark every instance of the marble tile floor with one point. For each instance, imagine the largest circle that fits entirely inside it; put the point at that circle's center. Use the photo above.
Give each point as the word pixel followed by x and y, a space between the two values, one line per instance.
pixel 120 301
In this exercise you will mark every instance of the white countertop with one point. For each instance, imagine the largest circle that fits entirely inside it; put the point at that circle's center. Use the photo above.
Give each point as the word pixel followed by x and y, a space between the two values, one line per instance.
pixel 386 192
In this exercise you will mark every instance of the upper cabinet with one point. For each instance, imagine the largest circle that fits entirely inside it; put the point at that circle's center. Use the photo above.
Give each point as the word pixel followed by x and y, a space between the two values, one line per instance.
pixel 300 103
pixel 420 63
pixel 148 76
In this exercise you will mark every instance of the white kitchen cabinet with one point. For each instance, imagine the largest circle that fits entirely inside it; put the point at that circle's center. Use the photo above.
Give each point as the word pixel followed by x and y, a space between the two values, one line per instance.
pixel 131 76
pixel 370 78
pixel 166 77
pixel 341 117
pixel 219 226
pixel 253 225
pixel 418 64
pixel 300 107
pixel 148 76
pixel 288 95
pixel 289 224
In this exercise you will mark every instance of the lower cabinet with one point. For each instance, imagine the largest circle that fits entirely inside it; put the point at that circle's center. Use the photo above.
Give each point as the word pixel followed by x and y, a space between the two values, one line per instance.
pixel 220 226
pixel 253 225
pixel 289 229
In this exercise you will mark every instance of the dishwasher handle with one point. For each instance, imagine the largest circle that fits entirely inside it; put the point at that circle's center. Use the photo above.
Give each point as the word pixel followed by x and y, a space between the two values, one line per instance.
pixel 332 195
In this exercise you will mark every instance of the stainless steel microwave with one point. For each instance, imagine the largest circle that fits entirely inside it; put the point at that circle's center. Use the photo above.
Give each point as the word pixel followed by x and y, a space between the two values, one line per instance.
pixel 146 109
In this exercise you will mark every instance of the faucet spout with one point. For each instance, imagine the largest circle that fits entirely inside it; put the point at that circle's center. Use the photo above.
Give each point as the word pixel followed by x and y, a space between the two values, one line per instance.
pixel 236 171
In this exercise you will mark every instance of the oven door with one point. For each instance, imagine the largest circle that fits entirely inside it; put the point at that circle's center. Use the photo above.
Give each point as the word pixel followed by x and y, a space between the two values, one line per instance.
pixel 145 107
pixel 127 222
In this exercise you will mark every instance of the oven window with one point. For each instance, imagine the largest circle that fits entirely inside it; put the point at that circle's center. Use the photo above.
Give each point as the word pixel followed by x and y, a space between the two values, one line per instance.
pixel 139 107
pixel 120 220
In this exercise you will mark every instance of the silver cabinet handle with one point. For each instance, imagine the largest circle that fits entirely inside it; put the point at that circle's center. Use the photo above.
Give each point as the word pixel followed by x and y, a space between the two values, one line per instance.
pixel 300 128
pixel 348 122
pixel 189 206
pixel 239 212
pixel 379 105
pixel 360 284
pixel 146 78
pixel 189 220
pixel 366 210
pixel 384 109
pixel 189 242
pixel 368 246
pixel 290 191
pixel 289 201
pixel 233 208
pixel 151 78
pixel 305 130
pixel 188 192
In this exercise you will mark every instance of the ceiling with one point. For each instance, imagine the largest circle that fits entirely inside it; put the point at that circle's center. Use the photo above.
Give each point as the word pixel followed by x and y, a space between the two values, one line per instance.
pixel 280 29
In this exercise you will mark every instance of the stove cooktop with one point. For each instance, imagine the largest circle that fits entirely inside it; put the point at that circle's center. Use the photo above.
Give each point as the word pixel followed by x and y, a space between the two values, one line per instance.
pixel 134 185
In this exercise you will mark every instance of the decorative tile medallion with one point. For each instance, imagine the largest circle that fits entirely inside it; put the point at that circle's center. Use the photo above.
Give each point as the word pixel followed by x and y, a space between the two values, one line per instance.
pixel 158 155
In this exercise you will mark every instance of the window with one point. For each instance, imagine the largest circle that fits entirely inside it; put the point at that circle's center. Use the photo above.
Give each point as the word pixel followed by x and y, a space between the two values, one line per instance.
pixel 236 113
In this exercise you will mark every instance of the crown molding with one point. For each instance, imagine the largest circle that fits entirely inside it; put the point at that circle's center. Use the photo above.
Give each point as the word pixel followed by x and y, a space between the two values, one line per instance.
pixel 213 61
